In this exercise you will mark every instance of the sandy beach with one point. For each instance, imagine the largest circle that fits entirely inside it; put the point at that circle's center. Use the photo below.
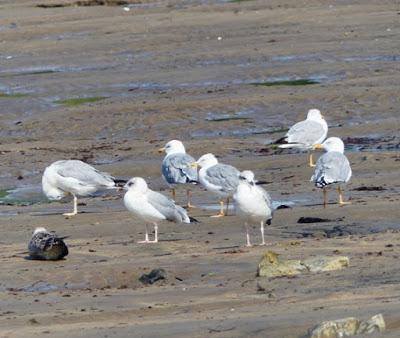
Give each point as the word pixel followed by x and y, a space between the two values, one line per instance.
pixel 223 77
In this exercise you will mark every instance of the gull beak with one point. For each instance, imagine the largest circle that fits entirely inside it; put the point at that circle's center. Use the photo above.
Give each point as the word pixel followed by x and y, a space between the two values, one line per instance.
pixel 161 150
pixel 317 146
pixel 322 116
pixel 194 165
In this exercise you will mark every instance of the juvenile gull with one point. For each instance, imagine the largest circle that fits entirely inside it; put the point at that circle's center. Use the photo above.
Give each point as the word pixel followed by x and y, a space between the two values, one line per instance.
pixel 219 178
pixel 76 178
pixel 305 134
pixel 176 168
pixel 45 245
pixel 252 204
pixel 151 206
pixel 333 167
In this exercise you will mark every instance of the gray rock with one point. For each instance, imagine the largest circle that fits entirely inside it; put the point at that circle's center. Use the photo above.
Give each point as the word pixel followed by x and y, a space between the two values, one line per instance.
pixel 348 327
pixel 272 266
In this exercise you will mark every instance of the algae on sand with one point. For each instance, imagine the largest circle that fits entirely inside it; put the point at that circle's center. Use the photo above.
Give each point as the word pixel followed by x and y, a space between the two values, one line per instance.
pixel 80 100
pixel 299 82
pixel 11 95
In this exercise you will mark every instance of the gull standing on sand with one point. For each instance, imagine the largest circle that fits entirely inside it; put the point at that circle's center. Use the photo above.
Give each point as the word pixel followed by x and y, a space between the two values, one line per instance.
pixel 45 245
pixel 76 178
pixel 176 168
pixel 151 206
pixel 252 204
pixel 305 134
pixel 219 178
pixel 333 167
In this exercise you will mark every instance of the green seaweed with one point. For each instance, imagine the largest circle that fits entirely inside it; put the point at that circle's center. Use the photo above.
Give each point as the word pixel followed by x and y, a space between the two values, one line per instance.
pixel 239 0
pixel 79 100
pixel 12 95
pixel 299 82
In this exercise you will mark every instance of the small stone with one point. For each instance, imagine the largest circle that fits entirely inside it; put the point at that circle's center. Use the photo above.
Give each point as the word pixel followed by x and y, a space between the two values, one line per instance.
pixel 154 276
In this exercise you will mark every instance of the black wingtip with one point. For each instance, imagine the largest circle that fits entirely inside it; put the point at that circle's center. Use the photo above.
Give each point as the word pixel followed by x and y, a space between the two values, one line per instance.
pixel 120 182
pixel 269 221
pixel 263 182
pixel 193 220
pixel 282 140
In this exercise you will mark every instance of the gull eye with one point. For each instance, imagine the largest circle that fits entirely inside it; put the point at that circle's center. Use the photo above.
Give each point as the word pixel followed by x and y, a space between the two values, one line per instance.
pixel 130 184
pixel 242 178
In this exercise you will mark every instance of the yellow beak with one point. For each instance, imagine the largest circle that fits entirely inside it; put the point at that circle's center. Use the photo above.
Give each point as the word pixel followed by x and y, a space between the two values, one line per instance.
pixel 161 150
pixel 194 165
pixel 317 146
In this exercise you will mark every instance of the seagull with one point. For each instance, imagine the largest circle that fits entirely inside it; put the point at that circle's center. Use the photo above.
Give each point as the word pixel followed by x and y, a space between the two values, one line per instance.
pixel 305 134
pixel 152 206
pixel 176 168
pixel 333 167
pixel 219 178
pixel 76 178
pixel 45 245
pixel 252 204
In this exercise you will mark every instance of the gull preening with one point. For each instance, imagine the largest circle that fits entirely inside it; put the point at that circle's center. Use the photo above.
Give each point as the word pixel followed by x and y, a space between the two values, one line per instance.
pixel 222 179
pixel 76 178
pixel 305 134
pixel 176 168
pixel 45 245
pixel 252 204
pixel 151 206
pixel 333 167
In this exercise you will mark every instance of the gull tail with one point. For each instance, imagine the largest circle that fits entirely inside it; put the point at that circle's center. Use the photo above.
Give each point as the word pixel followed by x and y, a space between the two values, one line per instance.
pixel 290 145
pixel 193 220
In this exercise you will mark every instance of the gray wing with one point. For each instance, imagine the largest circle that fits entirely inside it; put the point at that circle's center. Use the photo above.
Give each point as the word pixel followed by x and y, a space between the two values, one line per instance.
pixel 84 173
pixel 266 196
pixel 177 169
pixel 305 132
pixel 223 175
pixel 167 207
pixel 332 167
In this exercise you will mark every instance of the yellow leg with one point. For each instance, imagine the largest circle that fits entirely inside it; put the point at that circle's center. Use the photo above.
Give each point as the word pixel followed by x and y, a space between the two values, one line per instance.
pixel 341 202
pixel 325 199
pixel 221 212
pixel 173 193
pixel 189 199
pixel 73 213
pixel 310 160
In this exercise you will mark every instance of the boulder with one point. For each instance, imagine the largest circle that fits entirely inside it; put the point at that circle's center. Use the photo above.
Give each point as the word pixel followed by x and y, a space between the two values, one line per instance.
pixel 348 327
pixel 273 266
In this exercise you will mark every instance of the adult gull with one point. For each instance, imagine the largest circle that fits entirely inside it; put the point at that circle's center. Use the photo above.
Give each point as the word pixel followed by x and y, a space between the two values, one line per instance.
pixel 176 168
pixel 222 179
pixel 76 178
pixel 305 134
pixel 252 204
pixel 151 206
pixel 332 168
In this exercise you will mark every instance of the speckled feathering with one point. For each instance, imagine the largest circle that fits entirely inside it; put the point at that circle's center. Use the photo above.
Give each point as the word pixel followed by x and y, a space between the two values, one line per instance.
pixel 45 245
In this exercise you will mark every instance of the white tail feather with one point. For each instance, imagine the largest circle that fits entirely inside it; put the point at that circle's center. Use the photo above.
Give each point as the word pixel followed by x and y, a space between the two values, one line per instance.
pixel 291 145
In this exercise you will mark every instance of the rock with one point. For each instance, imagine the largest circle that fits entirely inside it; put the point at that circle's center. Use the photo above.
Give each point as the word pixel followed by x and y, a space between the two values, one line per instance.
pixel 348 327
pixel 272 266
pixel 326 263
pixel 154 276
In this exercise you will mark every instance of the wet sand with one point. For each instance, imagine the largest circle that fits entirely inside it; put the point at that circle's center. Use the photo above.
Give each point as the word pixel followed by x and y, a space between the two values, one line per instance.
pixel 165 74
